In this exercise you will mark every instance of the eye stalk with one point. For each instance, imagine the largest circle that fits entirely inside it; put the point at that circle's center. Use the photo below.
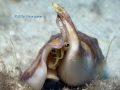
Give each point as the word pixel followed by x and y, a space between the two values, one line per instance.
pixel 53 51
pixel 66 44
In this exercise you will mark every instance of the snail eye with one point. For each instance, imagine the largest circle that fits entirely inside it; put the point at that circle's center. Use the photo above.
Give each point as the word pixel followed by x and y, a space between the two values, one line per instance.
pixel 53 51
pixel 66 45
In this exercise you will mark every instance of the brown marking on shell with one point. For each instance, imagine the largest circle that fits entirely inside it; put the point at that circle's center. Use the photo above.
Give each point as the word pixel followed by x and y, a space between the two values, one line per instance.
pixel 93 45
pixel 55 42
pixel 87 50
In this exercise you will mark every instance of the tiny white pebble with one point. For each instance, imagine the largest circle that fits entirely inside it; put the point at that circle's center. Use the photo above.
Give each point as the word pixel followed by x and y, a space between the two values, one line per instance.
pixel 18 55
pixel 12 33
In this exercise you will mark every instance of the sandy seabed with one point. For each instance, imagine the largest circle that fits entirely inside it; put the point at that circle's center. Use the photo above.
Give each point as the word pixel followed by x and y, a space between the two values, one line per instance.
pixel 26 25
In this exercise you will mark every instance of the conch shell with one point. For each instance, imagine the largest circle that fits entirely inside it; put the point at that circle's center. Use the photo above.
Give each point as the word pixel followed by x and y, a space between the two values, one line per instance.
pixel 70 56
